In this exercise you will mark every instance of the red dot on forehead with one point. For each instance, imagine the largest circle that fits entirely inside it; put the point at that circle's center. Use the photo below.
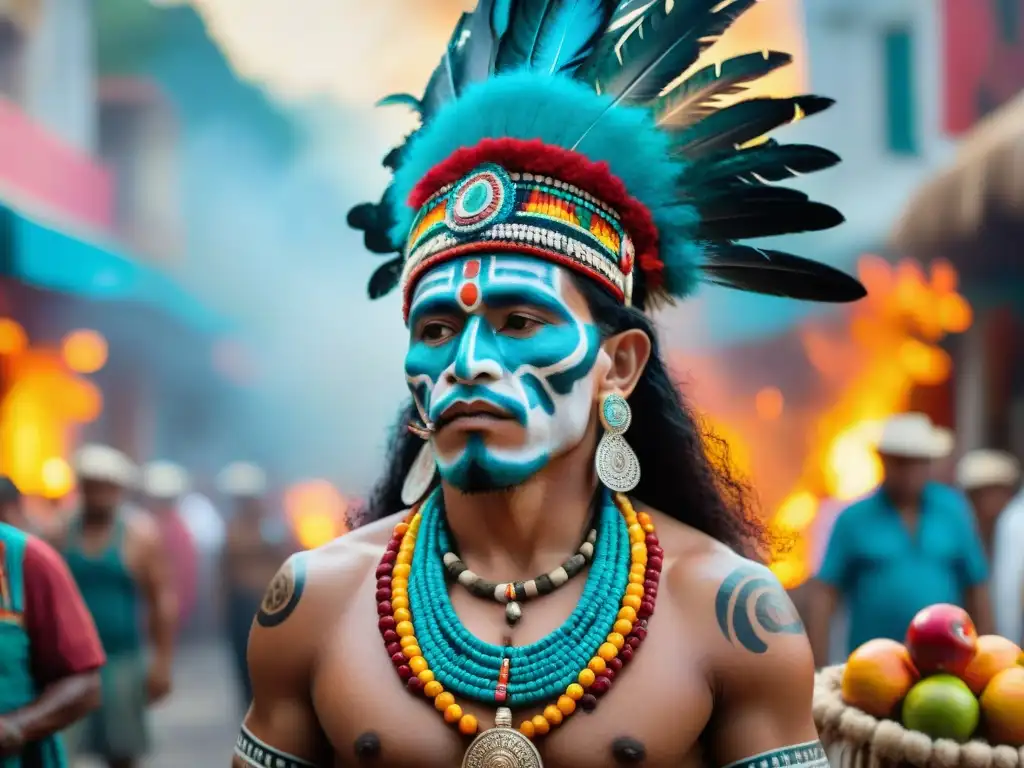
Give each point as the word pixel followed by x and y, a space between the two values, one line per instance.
pixel 469 294
pixel 471 268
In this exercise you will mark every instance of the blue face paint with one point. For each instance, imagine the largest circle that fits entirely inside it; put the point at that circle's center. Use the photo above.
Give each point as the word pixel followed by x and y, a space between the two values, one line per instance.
pixel 541 379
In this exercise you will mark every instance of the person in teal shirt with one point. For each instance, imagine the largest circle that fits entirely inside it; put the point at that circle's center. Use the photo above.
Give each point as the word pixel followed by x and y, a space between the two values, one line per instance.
pixel 909 544
pixel 50 653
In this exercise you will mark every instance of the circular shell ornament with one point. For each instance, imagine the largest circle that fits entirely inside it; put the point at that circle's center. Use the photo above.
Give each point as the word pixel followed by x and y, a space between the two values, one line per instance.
pixel 485 197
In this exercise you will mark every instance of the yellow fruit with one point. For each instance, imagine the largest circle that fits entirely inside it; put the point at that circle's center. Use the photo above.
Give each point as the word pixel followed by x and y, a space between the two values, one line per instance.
pixel 877 676
pixel 1001 706
pixel 994 654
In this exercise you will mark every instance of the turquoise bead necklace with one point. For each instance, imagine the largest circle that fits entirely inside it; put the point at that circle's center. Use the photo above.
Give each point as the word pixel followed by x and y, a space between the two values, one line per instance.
pixel 468 666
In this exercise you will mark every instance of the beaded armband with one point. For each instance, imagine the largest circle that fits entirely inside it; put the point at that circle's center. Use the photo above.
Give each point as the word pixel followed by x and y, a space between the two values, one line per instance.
pixel 810 754
pixel 259 754
pixel 491 210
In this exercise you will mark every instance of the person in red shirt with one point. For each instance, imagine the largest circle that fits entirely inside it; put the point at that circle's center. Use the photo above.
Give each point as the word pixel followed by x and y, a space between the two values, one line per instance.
pixel 50 652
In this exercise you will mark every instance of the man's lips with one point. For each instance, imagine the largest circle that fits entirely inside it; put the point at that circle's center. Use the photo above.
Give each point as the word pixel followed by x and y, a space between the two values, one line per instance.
pixel 476 410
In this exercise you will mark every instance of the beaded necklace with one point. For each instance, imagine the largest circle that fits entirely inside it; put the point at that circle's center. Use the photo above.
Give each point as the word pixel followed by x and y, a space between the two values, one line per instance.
pixel 411 574
pixel 512 593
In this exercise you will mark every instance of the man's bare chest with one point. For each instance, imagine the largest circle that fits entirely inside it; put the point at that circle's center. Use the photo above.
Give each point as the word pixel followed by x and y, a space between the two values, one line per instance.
pixel 653 715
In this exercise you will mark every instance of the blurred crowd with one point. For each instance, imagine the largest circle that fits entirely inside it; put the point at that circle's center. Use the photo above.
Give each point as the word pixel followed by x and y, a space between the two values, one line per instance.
pixel 94 604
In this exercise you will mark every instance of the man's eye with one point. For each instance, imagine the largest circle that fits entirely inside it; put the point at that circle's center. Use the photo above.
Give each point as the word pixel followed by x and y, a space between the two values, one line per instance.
pixel 436 332
pixel 517 323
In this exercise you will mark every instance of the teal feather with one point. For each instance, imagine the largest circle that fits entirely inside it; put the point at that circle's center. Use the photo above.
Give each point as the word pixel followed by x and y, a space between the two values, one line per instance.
pixel 743 122
pixel 552 36
pixel 400 100
pixel 695 96
pixel 556 110
pixel 501 17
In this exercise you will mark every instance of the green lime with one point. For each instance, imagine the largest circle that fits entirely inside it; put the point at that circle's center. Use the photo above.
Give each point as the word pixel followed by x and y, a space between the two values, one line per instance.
pixel 943 707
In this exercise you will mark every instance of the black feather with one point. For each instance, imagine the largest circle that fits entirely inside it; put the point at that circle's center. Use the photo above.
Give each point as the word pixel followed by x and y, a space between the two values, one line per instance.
pixel 442 86
pixel 776 273
pixel 696 96
pixel 393 158
pixel 647 52
pixel 727 221
pixel 722 200
pixel 374 220
pixel 477 45
pixel 384 278
pixel 745 121
pixel 768 162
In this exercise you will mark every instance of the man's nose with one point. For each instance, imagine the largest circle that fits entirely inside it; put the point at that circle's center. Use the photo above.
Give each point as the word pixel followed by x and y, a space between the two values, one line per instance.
pixel 476 359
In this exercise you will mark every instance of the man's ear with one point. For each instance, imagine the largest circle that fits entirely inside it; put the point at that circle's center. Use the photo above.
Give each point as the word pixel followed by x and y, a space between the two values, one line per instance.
pixel 629 352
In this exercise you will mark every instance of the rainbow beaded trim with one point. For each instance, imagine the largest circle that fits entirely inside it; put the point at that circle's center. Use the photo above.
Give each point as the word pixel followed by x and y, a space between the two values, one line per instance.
pixel 591 678
pixel 492 209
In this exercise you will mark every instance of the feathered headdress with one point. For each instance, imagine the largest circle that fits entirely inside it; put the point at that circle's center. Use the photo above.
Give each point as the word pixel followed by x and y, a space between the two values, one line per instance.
pixel 563 129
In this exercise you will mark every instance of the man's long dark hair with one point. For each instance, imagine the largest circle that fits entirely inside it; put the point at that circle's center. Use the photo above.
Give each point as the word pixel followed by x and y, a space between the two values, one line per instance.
pixel 678 476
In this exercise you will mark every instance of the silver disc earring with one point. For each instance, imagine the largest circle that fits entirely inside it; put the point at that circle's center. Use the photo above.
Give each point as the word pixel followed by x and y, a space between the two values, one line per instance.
pixel 420 476
pixel 617 465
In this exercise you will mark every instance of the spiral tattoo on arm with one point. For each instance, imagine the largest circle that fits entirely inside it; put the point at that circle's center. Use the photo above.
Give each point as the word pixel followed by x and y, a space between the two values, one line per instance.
pixel 751 606
pixel 283 593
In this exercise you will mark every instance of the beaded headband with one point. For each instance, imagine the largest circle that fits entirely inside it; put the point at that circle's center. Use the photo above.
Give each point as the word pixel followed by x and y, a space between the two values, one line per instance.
pixel 492 209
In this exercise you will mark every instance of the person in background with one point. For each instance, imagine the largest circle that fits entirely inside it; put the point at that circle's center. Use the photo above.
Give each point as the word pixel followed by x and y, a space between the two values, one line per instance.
pixel 50 654
pixel 991 480
pixel 908 545
pixel 164 484
pixel 114 552
pixel 257 543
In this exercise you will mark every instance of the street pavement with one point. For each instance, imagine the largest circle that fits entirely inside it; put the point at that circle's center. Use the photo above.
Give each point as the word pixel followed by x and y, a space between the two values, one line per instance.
pixel 197 725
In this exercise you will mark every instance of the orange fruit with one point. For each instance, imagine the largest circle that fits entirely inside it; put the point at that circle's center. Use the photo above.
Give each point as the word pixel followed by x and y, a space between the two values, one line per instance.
pixel 1001 707
pixel 994 654
pixel 877 676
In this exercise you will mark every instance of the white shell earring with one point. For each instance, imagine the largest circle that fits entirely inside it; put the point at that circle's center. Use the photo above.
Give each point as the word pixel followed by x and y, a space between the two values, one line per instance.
pixel 420 476
pixel 617 466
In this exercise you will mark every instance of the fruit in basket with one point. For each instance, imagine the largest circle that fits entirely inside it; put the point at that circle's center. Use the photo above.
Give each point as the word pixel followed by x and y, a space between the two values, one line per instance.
pixel 943 707
pixel 877 676
pixel 942 638
pixel 994 654
pixel 1002 705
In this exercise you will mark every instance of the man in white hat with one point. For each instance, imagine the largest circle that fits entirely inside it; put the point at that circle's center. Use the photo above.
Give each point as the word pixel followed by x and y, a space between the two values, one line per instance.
pixel 164 484
pixel 910 544
pixel 118 561
pixel 990 479
pixel 256 545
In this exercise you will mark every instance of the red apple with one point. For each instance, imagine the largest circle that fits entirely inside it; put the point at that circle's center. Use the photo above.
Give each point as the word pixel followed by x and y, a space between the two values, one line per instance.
pixel 942 638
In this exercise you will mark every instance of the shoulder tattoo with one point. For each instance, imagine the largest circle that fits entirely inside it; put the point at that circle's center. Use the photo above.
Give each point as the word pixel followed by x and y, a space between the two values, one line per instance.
pixel 808 755
pixel 283 593
pixel 751 606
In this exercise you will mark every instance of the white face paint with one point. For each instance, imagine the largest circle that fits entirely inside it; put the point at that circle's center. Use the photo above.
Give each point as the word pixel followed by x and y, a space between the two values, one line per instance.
pixel 497 332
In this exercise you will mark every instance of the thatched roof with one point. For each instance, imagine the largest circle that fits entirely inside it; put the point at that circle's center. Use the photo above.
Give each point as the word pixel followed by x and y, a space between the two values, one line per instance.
pixel 976 206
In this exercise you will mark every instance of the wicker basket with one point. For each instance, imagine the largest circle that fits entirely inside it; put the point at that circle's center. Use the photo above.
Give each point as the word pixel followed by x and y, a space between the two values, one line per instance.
pixel 854 739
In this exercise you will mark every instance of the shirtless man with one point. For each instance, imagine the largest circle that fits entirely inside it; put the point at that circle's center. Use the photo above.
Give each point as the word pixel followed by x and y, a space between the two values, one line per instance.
pixel 116 557
pixel 521 588
pixel 256 545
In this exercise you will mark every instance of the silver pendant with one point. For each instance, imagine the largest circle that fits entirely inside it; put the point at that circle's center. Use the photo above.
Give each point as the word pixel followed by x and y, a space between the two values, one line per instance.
pixel 502 747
